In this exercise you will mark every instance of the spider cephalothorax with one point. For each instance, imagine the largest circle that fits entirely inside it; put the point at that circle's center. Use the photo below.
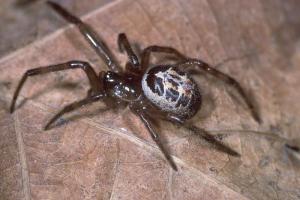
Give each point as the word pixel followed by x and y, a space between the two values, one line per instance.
pixel 162 92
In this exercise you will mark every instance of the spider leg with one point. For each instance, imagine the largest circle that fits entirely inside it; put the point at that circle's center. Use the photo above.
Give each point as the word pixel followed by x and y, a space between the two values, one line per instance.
pixel 224 77
pixel 146 121
pixel 73 106
pixel 212 140
pixel 124 44
pixel 145 57
pixel 96 85
pixel 90 35
pixel 203 134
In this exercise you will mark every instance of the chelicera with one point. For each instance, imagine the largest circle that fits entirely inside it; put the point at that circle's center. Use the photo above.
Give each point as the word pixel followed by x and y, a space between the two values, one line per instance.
pixel 164 91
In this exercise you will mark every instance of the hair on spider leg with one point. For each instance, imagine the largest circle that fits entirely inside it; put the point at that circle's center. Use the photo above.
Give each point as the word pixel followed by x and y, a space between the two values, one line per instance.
pixel 141 85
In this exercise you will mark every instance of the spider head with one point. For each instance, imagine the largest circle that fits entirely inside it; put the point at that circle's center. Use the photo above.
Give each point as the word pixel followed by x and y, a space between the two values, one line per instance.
pixel 112 78
pixel 121 87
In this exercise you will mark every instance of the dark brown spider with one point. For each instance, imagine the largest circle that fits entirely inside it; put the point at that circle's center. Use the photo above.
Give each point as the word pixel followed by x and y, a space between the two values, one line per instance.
pixel 166 91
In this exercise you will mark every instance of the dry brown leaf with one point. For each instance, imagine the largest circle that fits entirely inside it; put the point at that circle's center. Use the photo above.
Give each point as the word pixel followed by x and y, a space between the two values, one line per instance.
pixel 103 154
pixel 24 21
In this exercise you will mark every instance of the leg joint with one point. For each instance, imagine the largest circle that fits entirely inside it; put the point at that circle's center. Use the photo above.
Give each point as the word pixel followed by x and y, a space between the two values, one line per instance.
pixel 32 72
pixel 78 64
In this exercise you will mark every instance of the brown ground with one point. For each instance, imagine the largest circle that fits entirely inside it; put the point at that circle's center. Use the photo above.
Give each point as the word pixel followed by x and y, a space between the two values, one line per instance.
pixel 101 154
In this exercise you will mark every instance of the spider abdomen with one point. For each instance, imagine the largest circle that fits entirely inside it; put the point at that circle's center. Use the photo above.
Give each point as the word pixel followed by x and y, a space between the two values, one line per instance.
pixel 172 90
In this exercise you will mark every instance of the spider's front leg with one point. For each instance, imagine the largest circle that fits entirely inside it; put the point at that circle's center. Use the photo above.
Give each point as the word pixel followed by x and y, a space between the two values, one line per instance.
pixel 96 85
pixel 224 77
pixel 90 35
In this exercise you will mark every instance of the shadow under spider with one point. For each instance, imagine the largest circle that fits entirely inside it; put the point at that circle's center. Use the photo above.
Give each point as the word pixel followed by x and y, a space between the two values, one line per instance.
pixel 76 116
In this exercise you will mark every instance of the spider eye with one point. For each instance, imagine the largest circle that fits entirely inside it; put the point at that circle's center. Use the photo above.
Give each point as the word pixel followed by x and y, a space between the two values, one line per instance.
pixel 111 77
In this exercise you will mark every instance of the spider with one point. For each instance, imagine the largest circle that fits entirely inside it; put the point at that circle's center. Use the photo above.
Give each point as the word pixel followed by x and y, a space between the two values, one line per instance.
pixel 167 91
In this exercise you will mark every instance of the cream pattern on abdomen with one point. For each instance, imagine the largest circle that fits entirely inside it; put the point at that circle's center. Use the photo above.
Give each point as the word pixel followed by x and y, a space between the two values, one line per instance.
pixel 171 90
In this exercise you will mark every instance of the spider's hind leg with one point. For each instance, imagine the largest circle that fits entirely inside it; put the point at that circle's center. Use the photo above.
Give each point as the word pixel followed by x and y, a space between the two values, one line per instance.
pixel 225 78
pixel 218 145
pixel 204 135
